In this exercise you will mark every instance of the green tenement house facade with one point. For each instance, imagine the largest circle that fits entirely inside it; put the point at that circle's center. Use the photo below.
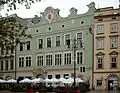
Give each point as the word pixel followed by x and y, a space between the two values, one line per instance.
pixel 52 51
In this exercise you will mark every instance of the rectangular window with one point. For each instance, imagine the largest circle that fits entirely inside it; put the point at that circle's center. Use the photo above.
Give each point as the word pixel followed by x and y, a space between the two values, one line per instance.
pixel 100 29
pixel 39 60
pixel 99 83
pixel 67 40
pixel 48 42
pixel 114 42
pixel 28 61
pixel 79 57
pixel 49 76
pixel 21 46
pixel 12 49
pixel 28 45
pixel 82 69
pixel 66 76
pixel 114 27
pixel 2 50
pixel 7 50
pixel 99 62
pixel 6 65
pixel 57 76
pixel 113 61
pixel 48 60
pixel 11 64
pixel 67 58
pixel 21 61
pixel 100 42
pixel 57 40
pixel 58 59
pixel 40 43
pixel 80 39
pixel 1 65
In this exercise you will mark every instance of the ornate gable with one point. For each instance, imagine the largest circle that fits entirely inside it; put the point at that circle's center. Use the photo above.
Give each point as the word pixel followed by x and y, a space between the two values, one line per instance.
pixel 114 53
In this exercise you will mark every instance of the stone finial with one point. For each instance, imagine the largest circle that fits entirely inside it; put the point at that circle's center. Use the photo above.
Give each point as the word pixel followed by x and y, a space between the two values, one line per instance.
pixel 73 10
pixel 91 5
pixel 57 11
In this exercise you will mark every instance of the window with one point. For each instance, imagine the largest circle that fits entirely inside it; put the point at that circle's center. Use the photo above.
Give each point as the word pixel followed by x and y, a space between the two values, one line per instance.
pixel 12 49
pixel 28 45
pixel 1 65
pixel 48 42
pixel 40 41
pixel 7 50
pixel 114 42
pixel 11 64
pixel 80 39
pixel 58 59
pixel 99 83
pixel 28 61
pixel 57 76
pixel 57 40
pixel 113 61
pixel 100 29
pixel 99 62
pixel 48 60
pixel 49 76
pixel 114 27
pixel 2 50
pixel 21 61
pixel 67 58
pixel 39 60
pixel 100 43
pixel 79 57
pixel 21 46
pixel 82 69
pixel 66 76
pixel 6 65
pixel 67 40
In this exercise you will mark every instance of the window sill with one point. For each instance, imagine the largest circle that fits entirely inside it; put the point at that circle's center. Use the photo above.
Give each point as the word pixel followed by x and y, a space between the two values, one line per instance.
pixel 99 33
pixel 100 49
pixel 114 48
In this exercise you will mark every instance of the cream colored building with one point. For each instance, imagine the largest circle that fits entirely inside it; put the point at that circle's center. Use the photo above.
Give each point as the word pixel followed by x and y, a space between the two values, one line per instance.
pixel 107 48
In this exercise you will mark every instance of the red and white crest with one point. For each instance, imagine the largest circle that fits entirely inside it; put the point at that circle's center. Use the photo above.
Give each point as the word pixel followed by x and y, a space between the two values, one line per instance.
pixel 49 13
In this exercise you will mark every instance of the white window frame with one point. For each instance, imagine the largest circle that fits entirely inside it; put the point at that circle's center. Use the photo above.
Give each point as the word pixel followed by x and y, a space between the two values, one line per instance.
pixel 82 38
pixel 100 26
pixel 100 56
pixel 111 56
pixel 82 69
pixel 82 57
pixel 64 58
pixel 25 59
pixel 43 59
pixel 52 59
pixel 38 42
pixel 115 29
pixel 61 58
pixel 111 42
pixel 65 39
pixel 60 40
pixel 100 45
pixel 51 41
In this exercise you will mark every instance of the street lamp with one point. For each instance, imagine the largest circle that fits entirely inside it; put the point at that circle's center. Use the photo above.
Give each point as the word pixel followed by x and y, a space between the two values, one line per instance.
pixel 75 46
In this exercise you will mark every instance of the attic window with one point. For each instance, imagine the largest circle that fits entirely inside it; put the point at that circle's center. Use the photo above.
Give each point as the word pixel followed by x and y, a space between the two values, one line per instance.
pixel 49 28
pixel 82 22
pixel 62 25
pixel 100 19
pixel 36 30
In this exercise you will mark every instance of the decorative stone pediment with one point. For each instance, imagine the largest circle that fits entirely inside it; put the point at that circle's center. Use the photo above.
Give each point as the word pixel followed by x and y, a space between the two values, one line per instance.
pixel 100 53
pixel 114 53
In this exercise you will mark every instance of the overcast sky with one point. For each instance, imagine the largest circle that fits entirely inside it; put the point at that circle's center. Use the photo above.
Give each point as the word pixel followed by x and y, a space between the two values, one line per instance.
pixel 63 5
